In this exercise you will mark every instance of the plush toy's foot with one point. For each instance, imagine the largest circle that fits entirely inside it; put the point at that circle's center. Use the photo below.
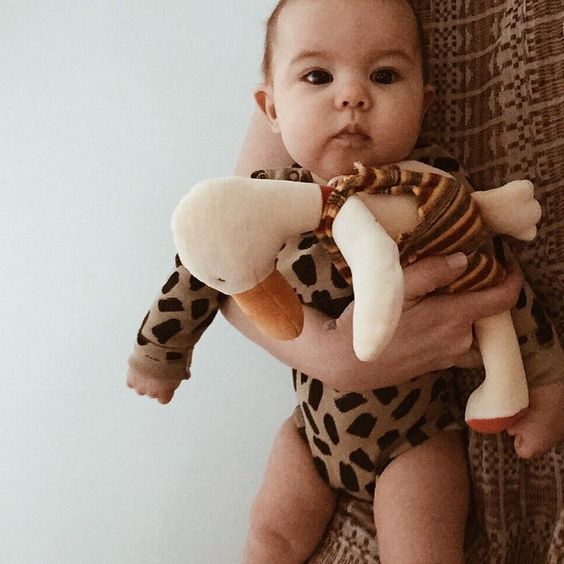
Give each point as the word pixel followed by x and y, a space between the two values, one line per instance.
pixel 495 424
pixel 543 424
pixel 496 406
pixel 502 397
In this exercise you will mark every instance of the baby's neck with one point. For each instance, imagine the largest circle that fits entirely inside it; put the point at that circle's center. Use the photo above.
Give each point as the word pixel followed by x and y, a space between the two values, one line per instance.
pixel 318 180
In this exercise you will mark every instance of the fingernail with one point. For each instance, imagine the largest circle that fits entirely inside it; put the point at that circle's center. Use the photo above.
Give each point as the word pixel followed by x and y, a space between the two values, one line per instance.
pixel 457 261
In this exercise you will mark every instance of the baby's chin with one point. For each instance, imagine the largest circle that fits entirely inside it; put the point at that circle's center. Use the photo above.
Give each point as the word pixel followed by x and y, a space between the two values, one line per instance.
pixel 326 173
pixel 343 164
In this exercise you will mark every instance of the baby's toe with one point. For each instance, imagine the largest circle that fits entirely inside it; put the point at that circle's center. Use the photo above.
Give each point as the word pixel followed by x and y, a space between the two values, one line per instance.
pixel 523 447
pixel 529 443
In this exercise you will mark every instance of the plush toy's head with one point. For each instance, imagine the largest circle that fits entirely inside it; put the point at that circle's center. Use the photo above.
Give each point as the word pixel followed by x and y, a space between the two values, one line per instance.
pixel 228 233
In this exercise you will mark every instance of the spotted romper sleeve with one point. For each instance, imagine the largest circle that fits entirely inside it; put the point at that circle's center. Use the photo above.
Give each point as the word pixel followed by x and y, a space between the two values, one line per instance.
pixel 173 325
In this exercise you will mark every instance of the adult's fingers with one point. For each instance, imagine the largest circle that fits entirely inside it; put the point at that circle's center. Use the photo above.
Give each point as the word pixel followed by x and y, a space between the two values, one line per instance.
pixel 428 274
pixel 492 301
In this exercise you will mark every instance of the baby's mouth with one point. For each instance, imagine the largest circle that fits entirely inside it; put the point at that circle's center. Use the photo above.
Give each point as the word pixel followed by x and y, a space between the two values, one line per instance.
pixel 352 137
pixel 352 134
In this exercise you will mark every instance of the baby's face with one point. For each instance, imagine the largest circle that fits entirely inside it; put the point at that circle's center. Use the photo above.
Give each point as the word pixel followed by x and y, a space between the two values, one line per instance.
pixel 347 83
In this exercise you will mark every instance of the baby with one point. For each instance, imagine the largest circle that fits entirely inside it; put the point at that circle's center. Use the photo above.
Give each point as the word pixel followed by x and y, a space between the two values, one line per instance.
pixel 344 81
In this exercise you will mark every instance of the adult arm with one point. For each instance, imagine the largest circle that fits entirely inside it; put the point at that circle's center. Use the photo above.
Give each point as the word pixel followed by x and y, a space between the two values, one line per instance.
pixel 433 333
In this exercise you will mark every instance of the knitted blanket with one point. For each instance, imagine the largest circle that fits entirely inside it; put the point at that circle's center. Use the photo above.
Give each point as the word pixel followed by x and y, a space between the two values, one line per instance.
pixel 498 67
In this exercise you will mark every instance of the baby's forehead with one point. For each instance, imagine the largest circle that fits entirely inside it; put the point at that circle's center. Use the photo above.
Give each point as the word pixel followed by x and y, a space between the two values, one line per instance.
pixel 363 28
pixel 354 21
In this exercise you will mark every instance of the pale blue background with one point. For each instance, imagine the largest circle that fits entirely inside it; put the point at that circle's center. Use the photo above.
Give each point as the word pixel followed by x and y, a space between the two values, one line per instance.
pixel 109 111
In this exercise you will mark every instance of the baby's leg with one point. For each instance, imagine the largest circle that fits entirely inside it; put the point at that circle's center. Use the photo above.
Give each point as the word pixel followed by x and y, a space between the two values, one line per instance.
pixel 293 507
pixel 421 503
pixel 542 427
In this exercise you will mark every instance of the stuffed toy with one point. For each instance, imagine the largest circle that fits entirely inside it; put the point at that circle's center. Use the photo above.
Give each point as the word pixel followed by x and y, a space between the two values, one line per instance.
pixel 228 232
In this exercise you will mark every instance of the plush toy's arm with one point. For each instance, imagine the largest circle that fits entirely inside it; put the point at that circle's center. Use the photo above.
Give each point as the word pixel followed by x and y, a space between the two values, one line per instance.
pixel 510 209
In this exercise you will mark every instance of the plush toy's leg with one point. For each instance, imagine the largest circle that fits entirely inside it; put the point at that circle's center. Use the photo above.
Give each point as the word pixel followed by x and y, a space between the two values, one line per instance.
pixel 503 396
pixel 373 257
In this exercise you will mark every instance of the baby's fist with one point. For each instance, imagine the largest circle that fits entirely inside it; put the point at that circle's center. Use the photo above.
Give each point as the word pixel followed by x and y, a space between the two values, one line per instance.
pixel 161 390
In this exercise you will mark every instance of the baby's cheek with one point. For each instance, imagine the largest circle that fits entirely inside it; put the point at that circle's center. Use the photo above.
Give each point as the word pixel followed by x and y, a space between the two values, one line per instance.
pixel 401 138
pixel 305 149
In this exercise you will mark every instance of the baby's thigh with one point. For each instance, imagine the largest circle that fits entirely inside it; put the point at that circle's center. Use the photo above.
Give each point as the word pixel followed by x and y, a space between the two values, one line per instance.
pixel 421 502
pixel 292 489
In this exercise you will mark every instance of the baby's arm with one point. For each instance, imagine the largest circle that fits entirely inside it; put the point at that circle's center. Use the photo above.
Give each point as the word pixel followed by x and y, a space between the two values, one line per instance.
pixel 432 334
pixel 174 324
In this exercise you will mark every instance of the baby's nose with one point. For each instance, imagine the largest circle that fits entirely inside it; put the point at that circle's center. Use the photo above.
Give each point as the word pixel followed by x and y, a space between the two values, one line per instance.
pixel 353 96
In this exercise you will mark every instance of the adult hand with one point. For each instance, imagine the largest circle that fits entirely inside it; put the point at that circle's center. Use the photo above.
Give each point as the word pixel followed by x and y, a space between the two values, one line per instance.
pixel 443 322
pixel 434 331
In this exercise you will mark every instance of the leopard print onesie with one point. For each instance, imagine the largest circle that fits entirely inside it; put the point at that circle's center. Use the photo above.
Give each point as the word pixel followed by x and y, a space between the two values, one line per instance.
pixel 352 436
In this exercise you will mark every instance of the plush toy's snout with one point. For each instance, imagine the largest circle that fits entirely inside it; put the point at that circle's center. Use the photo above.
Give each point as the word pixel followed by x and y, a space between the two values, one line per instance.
pixel 272 305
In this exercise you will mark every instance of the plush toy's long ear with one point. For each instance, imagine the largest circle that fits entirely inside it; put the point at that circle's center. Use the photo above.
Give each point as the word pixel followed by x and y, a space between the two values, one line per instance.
pixel 377 276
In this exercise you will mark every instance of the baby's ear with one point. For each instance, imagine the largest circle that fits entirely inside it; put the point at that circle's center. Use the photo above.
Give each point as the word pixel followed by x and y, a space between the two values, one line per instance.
pixel 428 96
pixel 265 101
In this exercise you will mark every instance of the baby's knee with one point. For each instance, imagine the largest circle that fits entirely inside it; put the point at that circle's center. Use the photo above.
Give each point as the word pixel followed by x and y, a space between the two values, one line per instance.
pixel 270 539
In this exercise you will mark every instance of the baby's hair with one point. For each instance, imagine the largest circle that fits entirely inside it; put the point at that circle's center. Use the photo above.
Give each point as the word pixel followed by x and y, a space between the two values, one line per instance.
pixel 270 37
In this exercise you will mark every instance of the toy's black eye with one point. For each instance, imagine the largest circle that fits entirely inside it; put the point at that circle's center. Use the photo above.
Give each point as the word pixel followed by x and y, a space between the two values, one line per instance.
pixel 384 76
pixel 318 77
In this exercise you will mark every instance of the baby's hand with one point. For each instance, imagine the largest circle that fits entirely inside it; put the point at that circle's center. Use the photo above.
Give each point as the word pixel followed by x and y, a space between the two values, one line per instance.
pixel 161 390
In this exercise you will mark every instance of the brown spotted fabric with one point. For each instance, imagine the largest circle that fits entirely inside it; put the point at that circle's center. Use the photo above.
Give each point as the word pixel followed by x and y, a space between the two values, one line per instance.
pixel 172 327
pixel 498 69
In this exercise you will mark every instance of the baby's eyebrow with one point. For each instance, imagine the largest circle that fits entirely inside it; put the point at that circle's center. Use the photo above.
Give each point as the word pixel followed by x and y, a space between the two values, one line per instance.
pixel 304 55
pixel 392 54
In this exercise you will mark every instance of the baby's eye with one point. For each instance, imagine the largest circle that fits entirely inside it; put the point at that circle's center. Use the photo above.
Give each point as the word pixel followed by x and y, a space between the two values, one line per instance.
pixel 318 77
pixel 384 76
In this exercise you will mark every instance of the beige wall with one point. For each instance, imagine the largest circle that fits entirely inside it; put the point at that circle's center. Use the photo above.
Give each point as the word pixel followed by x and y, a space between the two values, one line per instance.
pixel 109 111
